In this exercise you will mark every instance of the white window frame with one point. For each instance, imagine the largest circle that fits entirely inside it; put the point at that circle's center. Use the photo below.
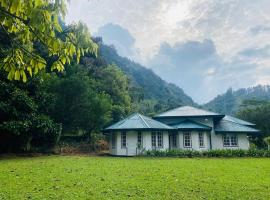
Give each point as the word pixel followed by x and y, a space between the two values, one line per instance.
pixel 201 139
pixel 113 140
pixel 157 139
pixel 231 140
pixel 187 138
pixel 123 140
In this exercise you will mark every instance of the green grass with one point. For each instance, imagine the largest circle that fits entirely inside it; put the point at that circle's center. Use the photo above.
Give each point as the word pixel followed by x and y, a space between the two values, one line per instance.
pixel 75 177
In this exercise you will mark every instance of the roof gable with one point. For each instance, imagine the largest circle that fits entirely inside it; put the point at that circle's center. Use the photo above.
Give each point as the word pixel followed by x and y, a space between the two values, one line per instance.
pixel 188 111
pixel 137 121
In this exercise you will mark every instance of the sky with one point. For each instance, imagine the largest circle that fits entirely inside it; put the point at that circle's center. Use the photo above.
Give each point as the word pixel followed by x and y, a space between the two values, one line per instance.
pixel 202 46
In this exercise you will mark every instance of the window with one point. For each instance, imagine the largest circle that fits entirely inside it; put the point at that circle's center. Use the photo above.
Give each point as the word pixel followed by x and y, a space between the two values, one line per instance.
pixel 201 139
pixel 234 140
pixel 154 139
pixel 230 141
pixel 139 142
pixel 160 139
pixel 187 139
pixel 174 140
pixel 157 139
pixel 123 140
pixel 113 140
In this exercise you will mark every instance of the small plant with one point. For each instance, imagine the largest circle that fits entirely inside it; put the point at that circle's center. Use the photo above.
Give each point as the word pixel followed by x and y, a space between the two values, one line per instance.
pixel 267 141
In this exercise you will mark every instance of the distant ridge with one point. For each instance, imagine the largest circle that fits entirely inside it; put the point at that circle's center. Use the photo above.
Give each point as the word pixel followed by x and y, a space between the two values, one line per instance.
pixel 145 83
pixel 230 102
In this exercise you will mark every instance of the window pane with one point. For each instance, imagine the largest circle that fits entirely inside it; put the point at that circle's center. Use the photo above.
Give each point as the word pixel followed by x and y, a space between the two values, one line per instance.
pixel 113 140
pixel 160 139
pixel 123 140
pixel 153 139
pixel 187 139
pixel 139 142
pixel 226 140
pixel 174 140
pixel 234 140
pixel 201 139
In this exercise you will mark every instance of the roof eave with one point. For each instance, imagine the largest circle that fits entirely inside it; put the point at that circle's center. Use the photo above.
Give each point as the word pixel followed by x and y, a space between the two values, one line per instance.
pixel 247 132
pixel 137 129
pixel 194 116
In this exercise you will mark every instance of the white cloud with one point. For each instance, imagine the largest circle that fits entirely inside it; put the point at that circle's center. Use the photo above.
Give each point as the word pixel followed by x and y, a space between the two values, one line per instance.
pixel 232 25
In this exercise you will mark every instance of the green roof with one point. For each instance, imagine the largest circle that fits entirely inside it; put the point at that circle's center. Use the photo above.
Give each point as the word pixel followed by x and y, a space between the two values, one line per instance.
pixel 188 111
pixel 238 121
pixel 137 121
pixel 191 125
pixel 225 126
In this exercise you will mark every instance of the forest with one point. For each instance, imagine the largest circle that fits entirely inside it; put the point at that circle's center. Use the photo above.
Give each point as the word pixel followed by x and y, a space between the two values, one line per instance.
pixel 56 80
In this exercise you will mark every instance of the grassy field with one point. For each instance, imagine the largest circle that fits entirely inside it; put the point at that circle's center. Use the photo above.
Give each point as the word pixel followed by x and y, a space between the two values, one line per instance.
pixel 82 177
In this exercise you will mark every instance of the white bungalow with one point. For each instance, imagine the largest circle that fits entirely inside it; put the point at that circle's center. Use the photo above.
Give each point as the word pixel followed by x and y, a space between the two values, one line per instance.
pixel 181 128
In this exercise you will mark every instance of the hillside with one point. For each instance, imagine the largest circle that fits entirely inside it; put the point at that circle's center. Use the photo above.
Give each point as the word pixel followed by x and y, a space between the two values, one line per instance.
pixel 146 88
pixel 230 102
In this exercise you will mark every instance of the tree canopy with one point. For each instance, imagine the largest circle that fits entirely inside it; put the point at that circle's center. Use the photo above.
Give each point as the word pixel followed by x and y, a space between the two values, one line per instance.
pixel 24 24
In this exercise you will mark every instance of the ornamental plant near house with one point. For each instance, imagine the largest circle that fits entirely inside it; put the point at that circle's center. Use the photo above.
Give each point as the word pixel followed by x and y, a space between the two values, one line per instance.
pixel 267 141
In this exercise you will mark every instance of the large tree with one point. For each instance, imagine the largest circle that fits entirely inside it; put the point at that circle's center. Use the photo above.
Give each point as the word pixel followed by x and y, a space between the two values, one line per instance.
pixel 24 24
pixel 257 112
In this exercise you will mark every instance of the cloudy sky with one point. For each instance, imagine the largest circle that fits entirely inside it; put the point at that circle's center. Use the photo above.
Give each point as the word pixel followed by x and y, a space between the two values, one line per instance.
pixel 203 46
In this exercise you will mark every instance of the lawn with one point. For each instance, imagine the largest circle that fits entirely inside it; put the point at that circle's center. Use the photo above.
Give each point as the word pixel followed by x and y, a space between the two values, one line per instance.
pixel 83 177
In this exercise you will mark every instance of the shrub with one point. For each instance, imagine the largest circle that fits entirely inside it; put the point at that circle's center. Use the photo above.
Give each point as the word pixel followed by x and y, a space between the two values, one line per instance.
pixel 227 153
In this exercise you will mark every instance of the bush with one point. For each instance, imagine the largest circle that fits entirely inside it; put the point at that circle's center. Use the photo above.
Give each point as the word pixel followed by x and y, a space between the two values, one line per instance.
pixel 224 153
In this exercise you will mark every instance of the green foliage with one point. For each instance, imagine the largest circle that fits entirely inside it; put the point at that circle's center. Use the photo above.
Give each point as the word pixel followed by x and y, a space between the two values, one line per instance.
pixel 86 177
pixel 259 115
pixel 22 118
pixel 210 153
pixel 25 23
pixel 149 93
pixel 267 141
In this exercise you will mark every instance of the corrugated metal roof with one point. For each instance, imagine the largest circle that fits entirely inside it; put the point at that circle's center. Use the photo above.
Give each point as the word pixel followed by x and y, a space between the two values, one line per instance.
pixel 191 125
pixel 238 121
pixel 187 111
pixel 138 121
pixel 229 126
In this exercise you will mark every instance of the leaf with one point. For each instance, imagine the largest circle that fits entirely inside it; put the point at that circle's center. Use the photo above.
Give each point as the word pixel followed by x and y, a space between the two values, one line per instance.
pixel 29 69
pixel 17 75
pixel 24 76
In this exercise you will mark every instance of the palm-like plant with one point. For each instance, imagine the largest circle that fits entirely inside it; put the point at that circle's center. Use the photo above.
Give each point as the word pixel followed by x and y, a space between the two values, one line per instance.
pixel 267 141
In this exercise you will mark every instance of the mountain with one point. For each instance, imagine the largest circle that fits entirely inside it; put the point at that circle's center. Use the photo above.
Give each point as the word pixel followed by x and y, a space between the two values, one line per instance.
pixel 148 90
pixel 231 101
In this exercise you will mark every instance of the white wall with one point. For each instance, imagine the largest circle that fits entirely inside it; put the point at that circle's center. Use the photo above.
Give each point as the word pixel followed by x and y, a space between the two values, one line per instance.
pixel 132 137
pixel 131 150
pixel 243 142
pixel 194 141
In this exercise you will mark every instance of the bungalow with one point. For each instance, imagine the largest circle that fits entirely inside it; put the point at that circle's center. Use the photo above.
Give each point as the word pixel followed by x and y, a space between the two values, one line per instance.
pixel 185 127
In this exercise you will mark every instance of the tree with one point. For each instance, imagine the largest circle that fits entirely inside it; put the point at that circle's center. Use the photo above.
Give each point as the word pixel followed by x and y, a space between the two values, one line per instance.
pixel 259 114
pixel 27 23
pixel 79 106
pixel 23 121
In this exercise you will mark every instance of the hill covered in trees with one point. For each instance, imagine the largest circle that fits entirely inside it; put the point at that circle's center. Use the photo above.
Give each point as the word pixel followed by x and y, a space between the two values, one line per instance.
pixel 232 101
pixel 149 93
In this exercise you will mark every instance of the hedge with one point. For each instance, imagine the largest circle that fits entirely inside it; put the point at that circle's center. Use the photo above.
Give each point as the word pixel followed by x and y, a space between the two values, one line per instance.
pixel 209 153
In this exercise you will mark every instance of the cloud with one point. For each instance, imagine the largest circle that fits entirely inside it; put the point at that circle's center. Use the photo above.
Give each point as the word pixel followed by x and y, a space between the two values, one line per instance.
pixel 199 70
pixel 259 29
pixel 257 52
pixel 119 37
pixel 204 46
